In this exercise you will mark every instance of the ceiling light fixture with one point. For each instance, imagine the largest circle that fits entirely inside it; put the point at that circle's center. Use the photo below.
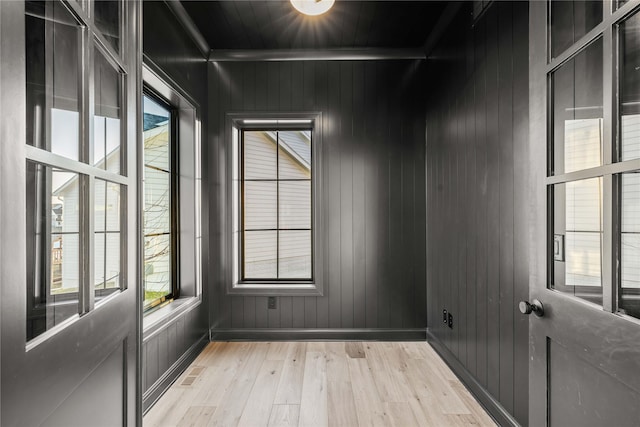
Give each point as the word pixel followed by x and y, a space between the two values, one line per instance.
pixel 312 7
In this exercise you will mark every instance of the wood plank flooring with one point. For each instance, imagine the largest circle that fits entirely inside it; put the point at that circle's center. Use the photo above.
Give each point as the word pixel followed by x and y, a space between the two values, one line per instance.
pixel 317 384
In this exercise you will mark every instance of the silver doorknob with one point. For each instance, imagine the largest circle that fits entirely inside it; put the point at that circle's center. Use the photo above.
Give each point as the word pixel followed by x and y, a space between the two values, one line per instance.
pixel 534 307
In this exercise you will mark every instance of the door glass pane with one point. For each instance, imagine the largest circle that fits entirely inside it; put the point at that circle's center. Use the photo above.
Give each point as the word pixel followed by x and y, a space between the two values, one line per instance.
pixel 570 20
pixel 157 202
pixel 107 265
pixel 577 112
pixel 577 239
pixel 630 244
pixel 630 89
pixel 107 132
pixel 106 15
pixel 53 246
pixel 53 61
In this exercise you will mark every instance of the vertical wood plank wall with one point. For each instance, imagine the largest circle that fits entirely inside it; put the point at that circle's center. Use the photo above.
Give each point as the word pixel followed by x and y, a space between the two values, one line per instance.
pixel 477 144
pixel 373 197
pixel 169 47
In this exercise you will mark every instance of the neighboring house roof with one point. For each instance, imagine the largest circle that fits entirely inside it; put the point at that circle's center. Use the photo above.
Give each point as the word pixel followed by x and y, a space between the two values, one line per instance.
pixel 156 126
pixel 297 144
pixel 151 121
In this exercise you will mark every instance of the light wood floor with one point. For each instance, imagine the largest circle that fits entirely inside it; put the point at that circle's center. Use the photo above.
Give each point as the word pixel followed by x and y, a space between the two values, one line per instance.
pixel 317 384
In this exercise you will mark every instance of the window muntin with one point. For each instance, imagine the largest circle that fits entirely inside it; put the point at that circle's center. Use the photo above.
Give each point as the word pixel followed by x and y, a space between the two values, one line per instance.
pixel 160 254
pixel 276 197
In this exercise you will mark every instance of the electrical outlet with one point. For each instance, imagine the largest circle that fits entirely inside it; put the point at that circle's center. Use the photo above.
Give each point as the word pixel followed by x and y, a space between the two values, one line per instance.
pixel 444 316
pixel 271 303
pixel 450 320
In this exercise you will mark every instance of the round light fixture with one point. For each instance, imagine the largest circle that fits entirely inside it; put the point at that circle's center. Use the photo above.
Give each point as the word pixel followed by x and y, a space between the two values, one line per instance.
pixel 312 7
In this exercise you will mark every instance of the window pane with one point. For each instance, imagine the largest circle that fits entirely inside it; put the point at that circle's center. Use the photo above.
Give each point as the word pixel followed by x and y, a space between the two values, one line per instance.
pixel 112 261
pixel 53 246
pixel 570 20
pixel 294 155
pixel 65 260
pixel 98 266
pixel 295 204
pixel 577 229
pixel 630 89
pixel 108 82
pixel 295 255
pixel 156 135
pixel 106 14
pixel 260 211
pixel 53 78
pixel 157 202
pixel 259 155
pixel 260 254
pixel 107 206
pixel 157 268
pixel 107 258
pixel 630 244
pixel 577 112
pixel 112 207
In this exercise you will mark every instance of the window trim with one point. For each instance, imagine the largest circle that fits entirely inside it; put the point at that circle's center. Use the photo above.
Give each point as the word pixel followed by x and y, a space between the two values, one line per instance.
pixel 236 123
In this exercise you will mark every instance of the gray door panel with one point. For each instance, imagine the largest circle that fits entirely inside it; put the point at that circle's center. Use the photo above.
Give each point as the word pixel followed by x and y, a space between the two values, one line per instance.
pixel 83 371
pixel 584 353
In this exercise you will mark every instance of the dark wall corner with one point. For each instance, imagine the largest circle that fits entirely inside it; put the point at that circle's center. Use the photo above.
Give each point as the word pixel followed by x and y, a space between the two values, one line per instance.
pixel 477 179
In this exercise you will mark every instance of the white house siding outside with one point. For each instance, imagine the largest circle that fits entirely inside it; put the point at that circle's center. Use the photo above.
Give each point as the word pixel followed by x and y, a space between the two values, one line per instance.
pixel 273 206
pixel 65 248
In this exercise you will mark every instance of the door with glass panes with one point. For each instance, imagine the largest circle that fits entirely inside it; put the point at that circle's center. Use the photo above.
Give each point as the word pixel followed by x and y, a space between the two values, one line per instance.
pixel 584 302
pixel 68 188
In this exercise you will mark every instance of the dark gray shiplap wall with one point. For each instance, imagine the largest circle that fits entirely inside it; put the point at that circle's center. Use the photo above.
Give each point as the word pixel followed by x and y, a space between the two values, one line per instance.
pixel 477 162
pixel 167 44
pixel 373 197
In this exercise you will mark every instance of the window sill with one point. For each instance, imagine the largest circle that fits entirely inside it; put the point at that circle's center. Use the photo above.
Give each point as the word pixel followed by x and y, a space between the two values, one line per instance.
pixel 275 289
pixel 157 319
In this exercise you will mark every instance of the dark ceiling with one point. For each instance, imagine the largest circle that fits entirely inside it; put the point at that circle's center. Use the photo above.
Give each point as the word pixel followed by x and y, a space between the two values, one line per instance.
pixel 275 24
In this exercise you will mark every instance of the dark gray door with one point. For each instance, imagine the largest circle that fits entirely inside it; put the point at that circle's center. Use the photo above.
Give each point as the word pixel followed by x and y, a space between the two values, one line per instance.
pixel 585 192
pixel 69 305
